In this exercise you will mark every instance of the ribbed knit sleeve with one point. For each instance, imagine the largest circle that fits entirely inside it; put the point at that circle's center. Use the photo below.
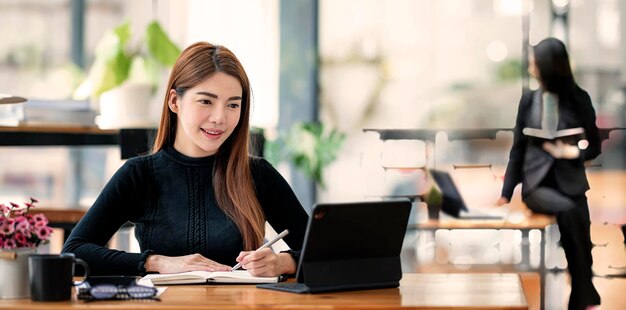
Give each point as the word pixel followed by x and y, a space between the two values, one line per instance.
pixel 117 203
pixel 280 204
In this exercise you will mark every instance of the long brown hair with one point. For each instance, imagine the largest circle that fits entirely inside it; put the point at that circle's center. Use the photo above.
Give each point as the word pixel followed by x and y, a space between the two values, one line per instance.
pixel 232 179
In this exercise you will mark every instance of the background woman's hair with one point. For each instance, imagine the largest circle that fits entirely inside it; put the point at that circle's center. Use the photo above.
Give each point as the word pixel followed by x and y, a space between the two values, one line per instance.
pixel 553 64
pixel 232 179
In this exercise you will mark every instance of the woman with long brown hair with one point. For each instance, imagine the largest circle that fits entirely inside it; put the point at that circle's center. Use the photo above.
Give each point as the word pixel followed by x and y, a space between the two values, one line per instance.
pixel 199 201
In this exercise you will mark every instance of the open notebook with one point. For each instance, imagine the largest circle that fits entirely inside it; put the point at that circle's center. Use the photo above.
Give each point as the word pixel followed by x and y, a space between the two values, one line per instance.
pixel 195 277
pixel 553 135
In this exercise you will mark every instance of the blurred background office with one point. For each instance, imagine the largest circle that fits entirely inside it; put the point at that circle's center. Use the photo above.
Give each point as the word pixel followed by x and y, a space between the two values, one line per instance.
pixel 439 65
pixel 381 64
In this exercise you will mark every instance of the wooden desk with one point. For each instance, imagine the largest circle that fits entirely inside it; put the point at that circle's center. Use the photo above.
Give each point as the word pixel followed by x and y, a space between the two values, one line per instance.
pixel 532 221
pixel 416 291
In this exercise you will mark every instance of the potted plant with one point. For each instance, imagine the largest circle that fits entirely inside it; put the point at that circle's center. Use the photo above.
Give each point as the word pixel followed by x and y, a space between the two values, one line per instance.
pixel 311 147
pixel 20 235
pixel 125 74
pixel 433 199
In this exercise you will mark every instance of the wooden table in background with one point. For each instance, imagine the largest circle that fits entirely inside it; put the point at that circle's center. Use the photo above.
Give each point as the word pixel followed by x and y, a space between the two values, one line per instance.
pixel 65 219
pixel 416 291
pixel 530 221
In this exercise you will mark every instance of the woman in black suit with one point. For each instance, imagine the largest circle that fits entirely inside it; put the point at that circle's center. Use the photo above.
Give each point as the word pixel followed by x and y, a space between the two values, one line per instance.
pixel 552 171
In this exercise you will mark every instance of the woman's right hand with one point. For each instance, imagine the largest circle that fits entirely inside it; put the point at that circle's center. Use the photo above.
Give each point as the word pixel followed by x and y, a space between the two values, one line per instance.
pixel 561 150
pixel 174 264
pixel 502 201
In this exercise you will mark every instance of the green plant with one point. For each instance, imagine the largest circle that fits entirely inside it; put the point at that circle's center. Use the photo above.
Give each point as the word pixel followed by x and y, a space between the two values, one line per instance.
pixel 117 60
pixel 310 147
pixel 433 197
pixel 509 70
pixel 434 200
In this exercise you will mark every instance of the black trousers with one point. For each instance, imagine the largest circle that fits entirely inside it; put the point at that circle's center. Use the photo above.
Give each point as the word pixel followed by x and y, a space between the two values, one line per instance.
pixel 572 215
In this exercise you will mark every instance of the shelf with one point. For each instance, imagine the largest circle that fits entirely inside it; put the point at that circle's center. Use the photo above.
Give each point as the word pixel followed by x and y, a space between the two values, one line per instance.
pixel 405 134
pixel 132 141
pixel 456 134
pixel 430 134
pixel 48 135
pixel 468 134
pixel 412 198
pixel 605 132
pixel 404 168
pixel 471 166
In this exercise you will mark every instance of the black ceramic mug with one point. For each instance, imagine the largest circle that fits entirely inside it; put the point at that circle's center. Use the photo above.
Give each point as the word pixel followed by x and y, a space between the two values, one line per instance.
pixel 51 276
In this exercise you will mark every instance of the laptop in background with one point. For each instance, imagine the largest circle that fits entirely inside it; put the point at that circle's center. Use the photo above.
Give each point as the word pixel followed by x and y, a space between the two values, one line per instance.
pixel 453 204
pixel 351 246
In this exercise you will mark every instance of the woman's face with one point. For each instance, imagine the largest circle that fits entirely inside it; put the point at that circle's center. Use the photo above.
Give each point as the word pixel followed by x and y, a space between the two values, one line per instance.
pixel 532 67
pixel 207 114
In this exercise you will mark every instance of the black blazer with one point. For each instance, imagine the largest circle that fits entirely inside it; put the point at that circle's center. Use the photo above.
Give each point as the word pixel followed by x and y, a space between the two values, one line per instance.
pixel 529 163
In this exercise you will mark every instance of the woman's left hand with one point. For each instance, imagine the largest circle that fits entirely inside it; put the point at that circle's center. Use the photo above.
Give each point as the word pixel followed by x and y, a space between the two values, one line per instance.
pixel 266 263
pixel 562 150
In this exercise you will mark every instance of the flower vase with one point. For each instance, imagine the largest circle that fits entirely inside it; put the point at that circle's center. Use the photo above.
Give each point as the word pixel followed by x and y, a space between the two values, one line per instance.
pixel 14 282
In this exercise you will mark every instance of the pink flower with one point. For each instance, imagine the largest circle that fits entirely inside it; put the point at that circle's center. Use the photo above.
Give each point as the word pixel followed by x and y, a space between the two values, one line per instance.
pixel 7 227
pixel 43 232
pixel 20 239
pixel 9 244
pixel 19 212
pixel 19 229
pixel 22 226
pixel 40 220
pixel 4 210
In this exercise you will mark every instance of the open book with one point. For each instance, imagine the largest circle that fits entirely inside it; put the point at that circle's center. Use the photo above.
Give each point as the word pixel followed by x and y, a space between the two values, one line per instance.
pixel 192 277
pixel 552 135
